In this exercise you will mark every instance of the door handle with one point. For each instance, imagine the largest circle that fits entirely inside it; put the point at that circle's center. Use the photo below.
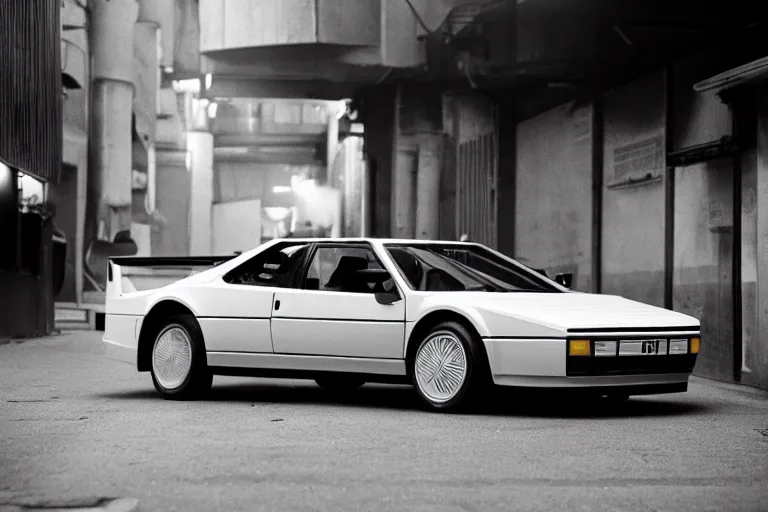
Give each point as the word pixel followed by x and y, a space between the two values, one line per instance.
pixel 277 305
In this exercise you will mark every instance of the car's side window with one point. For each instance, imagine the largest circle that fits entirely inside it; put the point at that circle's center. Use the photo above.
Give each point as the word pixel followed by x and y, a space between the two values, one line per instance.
pixel 336 269
pixel 277 266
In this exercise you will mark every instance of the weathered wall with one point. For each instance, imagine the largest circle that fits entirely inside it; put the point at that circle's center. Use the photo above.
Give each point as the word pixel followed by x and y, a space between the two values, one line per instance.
pixel 703 220
pixel 633 216
pixel 553 211
pixel 703 260
pixel 757 351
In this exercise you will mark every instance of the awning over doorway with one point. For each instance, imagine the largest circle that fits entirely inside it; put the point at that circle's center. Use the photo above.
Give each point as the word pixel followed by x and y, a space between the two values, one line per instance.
pixel 750 73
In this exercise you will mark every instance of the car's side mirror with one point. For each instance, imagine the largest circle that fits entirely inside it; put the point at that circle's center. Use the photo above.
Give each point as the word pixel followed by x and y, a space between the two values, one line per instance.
pixel 564 280
pixel 387 298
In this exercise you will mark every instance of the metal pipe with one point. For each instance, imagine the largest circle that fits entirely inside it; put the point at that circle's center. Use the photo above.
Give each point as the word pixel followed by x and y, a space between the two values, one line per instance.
pixel 146 42
pixel 112 24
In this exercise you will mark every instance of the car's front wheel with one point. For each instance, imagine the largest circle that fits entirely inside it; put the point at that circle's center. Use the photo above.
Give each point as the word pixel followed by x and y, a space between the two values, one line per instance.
pixel 179 367
pixel 448 368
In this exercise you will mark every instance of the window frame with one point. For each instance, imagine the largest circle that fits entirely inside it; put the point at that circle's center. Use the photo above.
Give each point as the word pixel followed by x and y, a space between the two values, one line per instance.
pixel 534 276
pixel 280 246
pixel 301 285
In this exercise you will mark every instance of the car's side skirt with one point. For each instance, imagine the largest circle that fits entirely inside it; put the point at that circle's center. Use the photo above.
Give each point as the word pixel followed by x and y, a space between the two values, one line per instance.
pixel 306 363
pixel 273 373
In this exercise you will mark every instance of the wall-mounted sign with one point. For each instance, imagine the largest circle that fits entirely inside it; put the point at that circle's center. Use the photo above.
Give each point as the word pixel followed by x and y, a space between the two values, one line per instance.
pixel 640 161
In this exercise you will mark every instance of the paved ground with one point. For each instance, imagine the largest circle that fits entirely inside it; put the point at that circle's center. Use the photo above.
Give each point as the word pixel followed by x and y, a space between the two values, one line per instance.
pixel 77 427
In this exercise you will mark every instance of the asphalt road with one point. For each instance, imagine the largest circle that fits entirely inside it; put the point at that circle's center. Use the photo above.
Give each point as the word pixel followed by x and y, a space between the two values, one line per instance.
pixel 75 427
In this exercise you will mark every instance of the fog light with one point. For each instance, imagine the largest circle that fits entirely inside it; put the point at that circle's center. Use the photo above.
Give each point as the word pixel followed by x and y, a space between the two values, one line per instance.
pixel 605 348
pixel 695 342
pixel 579 348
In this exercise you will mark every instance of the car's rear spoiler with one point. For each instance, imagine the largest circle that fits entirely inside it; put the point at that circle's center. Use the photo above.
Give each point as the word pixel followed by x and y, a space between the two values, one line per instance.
pixel 115 274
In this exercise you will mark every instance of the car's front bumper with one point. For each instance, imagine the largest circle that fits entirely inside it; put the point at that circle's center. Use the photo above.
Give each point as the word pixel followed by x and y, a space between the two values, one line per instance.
pixel 545 363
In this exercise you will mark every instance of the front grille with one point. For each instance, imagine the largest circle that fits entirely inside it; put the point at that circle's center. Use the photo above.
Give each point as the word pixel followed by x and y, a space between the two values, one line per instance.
pixel 626 365
pixel 633 356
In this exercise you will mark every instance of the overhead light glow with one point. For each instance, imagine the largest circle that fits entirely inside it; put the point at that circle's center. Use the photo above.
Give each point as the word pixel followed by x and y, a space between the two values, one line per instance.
pixel 282 189
pixel 277 213
pixel 189 85
pixel 303 187
pixel 213 107
pixel 31 188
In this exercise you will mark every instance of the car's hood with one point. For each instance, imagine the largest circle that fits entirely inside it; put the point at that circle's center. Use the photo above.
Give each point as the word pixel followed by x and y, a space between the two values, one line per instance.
pixel 561 312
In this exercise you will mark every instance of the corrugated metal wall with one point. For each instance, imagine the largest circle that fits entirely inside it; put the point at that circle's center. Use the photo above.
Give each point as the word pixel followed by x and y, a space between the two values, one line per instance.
pixel 30 86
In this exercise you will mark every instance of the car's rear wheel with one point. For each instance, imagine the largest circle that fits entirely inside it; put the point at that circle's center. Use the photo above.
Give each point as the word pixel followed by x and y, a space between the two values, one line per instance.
pixel 339 384
pixel 179 367
pixel 449 367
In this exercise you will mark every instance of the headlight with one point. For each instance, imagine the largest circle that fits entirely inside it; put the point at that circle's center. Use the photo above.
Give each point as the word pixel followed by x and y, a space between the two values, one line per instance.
pixel 605 348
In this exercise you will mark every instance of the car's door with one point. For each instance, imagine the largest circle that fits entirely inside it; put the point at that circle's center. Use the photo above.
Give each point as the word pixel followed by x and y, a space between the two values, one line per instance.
pixel 237 310
pixel 335 313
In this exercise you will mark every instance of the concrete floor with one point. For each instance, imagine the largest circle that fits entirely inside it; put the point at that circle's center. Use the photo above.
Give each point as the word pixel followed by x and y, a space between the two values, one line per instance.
pixel 75 426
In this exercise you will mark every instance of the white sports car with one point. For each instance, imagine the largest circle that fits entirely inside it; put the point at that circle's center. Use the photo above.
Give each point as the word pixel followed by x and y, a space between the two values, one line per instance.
pixel 448 317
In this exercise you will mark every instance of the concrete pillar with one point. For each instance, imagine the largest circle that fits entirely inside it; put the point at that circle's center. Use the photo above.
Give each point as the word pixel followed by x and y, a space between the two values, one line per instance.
pixel 112 48
pixel 404 164
pixel 200 147
pixel 428 186
pixel 404 189
pixel 365 200
pixel 332 143
pixel 761 295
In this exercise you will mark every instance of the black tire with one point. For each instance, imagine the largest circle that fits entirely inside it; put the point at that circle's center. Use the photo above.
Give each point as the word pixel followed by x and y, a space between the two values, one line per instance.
pixel 199 378
pixel 476 379
pixel 340 384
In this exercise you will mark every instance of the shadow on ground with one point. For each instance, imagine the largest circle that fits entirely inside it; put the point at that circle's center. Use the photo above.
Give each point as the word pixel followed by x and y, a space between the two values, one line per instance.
pixel 499 403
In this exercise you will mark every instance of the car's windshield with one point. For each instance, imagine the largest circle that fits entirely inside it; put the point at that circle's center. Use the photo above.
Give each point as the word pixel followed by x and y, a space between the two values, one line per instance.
pixel 454 267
